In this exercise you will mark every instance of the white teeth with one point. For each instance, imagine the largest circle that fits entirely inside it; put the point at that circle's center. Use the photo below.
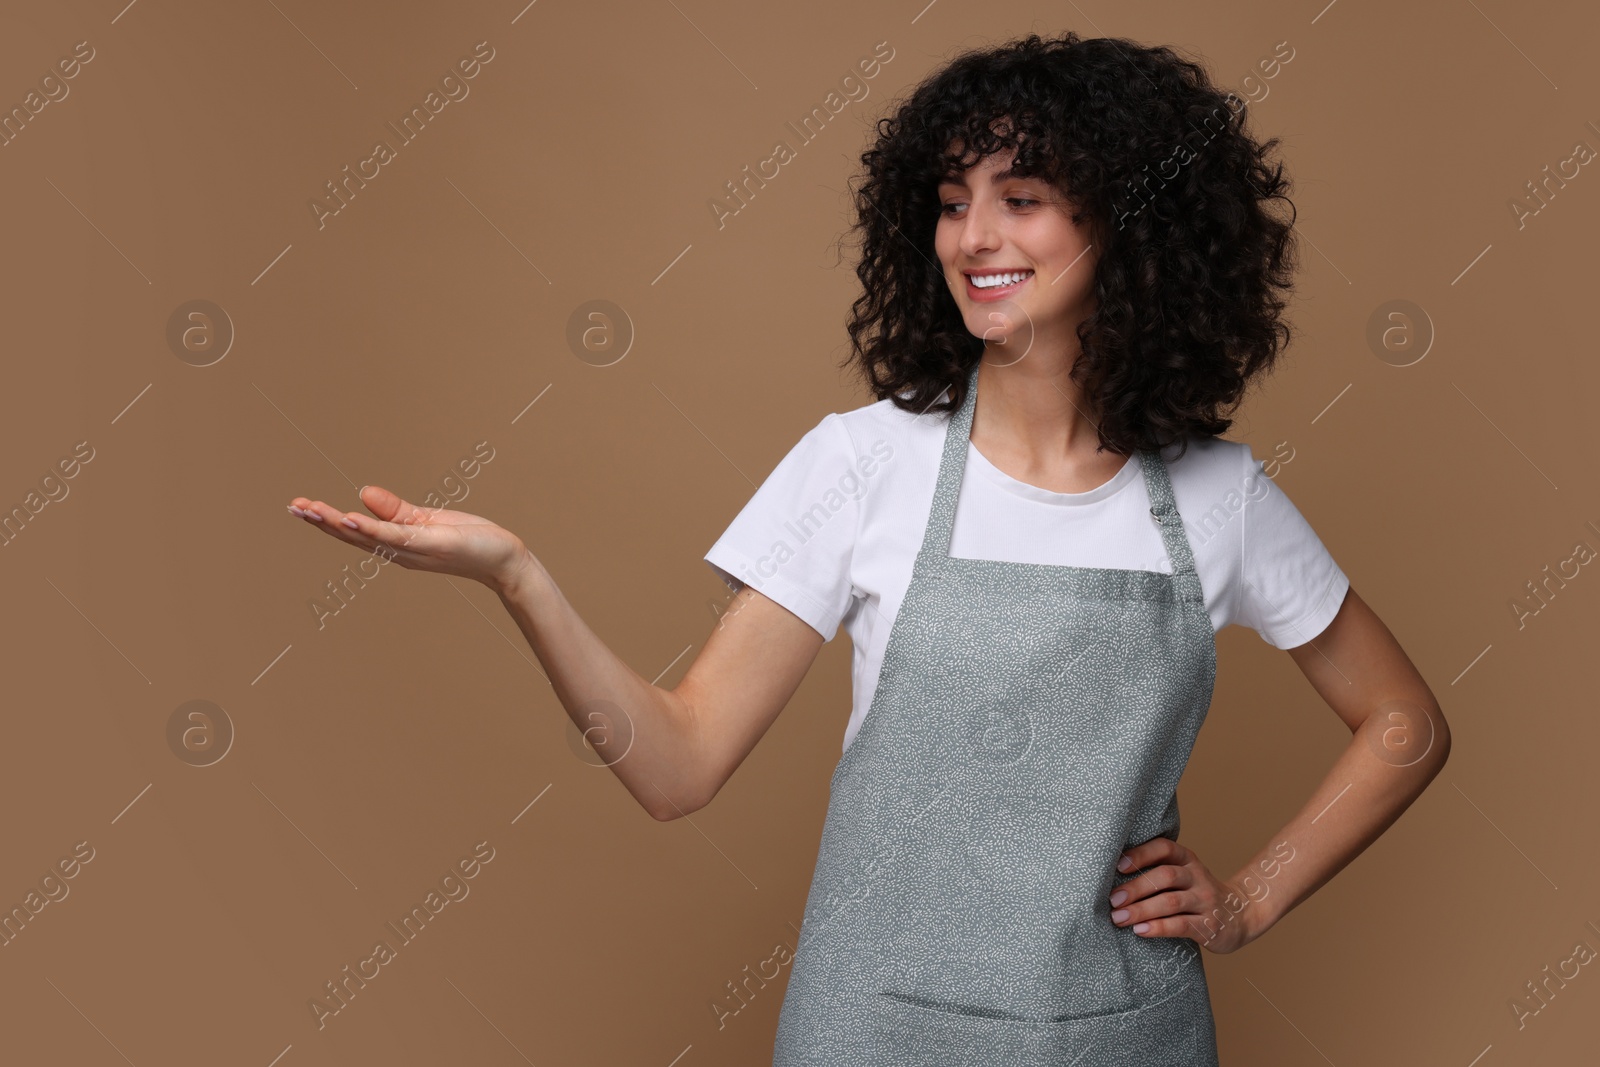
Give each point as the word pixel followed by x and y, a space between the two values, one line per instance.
pixel 992 280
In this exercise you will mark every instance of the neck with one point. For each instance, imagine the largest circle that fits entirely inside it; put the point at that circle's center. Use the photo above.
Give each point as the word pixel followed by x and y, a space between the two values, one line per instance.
pixel 1031 409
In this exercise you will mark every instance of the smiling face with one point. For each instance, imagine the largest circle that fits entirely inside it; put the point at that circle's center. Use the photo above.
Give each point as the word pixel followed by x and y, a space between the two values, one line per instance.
pixel 1020 269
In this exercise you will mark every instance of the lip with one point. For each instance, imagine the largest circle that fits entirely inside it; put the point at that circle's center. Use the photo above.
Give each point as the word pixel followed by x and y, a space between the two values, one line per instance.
pixel 984 296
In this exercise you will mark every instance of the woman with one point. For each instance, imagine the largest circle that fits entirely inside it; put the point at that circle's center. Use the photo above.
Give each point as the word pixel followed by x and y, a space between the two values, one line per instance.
pixel 1076 231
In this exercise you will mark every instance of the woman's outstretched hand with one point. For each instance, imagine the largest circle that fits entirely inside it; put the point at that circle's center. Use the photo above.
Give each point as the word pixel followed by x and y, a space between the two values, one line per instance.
pixel 1175 895
pixel 423 539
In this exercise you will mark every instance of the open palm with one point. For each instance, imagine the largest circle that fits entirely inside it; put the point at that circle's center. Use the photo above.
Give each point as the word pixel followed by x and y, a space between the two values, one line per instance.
pixel 421 538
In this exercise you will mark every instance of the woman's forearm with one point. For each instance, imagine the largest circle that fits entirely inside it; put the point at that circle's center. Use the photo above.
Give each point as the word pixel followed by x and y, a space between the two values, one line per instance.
pixel 642 732
pixel 1365 791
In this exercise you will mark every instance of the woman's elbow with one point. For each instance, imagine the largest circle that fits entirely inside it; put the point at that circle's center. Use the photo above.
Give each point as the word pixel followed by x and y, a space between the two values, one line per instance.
pixel 1438 752
pixel 667 808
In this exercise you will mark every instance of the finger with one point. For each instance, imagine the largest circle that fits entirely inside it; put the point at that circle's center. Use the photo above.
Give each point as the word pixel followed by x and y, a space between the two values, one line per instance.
pixel 1144 855
pixel 1151 881
pixel 391 508
pixel 1172 926
pixel 316 510
pixel 369 532
pixel 1171 902
pixel 320 515
pixel 345 528
pixel 1154 851
pixel 329 518
pixel 313 511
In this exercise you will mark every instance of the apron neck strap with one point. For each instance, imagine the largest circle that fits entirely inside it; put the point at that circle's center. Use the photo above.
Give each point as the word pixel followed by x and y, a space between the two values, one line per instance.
pixel 952 463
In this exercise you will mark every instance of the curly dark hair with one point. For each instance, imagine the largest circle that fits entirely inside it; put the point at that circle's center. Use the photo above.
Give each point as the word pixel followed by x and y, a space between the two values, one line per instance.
pixel 1186 289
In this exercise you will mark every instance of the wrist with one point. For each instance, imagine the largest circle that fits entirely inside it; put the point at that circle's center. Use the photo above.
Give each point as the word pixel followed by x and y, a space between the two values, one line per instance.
pixel 517 577
pixel 1239 915
pixel 1260 913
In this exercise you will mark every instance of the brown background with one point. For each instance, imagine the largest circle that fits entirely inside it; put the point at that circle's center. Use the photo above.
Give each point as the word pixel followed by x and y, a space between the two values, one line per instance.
pixel 373 753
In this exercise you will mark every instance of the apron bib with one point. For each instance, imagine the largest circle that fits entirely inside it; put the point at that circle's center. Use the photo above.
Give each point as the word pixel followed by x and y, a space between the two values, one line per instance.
pixel 1030 722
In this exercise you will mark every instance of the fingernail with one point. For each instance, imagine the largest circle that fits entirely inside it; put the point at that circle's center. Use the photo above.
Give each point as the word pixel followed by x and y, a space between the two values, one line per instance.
pixel 1118 897
pixel 1124 864
pixel 348 521
pixel 1119 915
pixel 1140 928
pixel 313 516
pixel 295 511
pixel 363 489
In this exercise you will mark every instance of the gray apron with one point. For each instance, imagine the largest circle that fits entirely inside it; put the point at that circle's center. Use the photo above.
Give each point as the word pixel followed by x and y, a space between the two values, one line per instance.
pixel 1030 722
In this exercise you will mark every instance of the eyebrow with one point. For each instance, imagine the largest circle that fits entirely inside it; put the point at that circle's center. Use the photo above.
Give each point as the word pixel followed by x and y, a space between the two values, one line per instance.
pixel 959 177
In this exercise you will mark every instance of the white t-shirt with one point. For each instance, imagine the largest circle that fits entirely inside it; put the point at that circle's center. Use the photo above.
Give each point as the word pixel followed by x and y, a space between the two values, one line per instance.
pixel 832 533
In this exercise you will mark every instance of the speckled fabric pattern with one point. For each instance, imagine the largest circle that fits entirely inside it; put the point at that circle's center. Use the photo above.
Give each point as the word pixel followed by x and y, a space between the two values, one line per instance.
pixel 1030 722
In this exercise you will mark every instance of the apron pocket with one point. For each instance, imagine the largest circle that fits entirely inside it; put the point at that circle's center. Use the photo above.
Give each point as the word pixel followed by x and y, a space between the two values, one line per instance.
pixel 908 1034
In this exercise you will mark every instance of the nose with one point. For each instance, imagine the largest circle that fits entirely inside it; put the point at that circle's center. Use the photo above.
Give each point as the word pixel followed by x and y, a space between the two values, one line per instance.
pixel 979 230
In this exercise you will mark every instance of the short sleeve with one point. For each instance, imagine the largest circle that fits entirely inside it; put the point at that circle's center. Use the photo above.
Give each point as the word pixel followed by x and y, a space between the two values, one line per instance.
pixel 1290 586
pixel 793 540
